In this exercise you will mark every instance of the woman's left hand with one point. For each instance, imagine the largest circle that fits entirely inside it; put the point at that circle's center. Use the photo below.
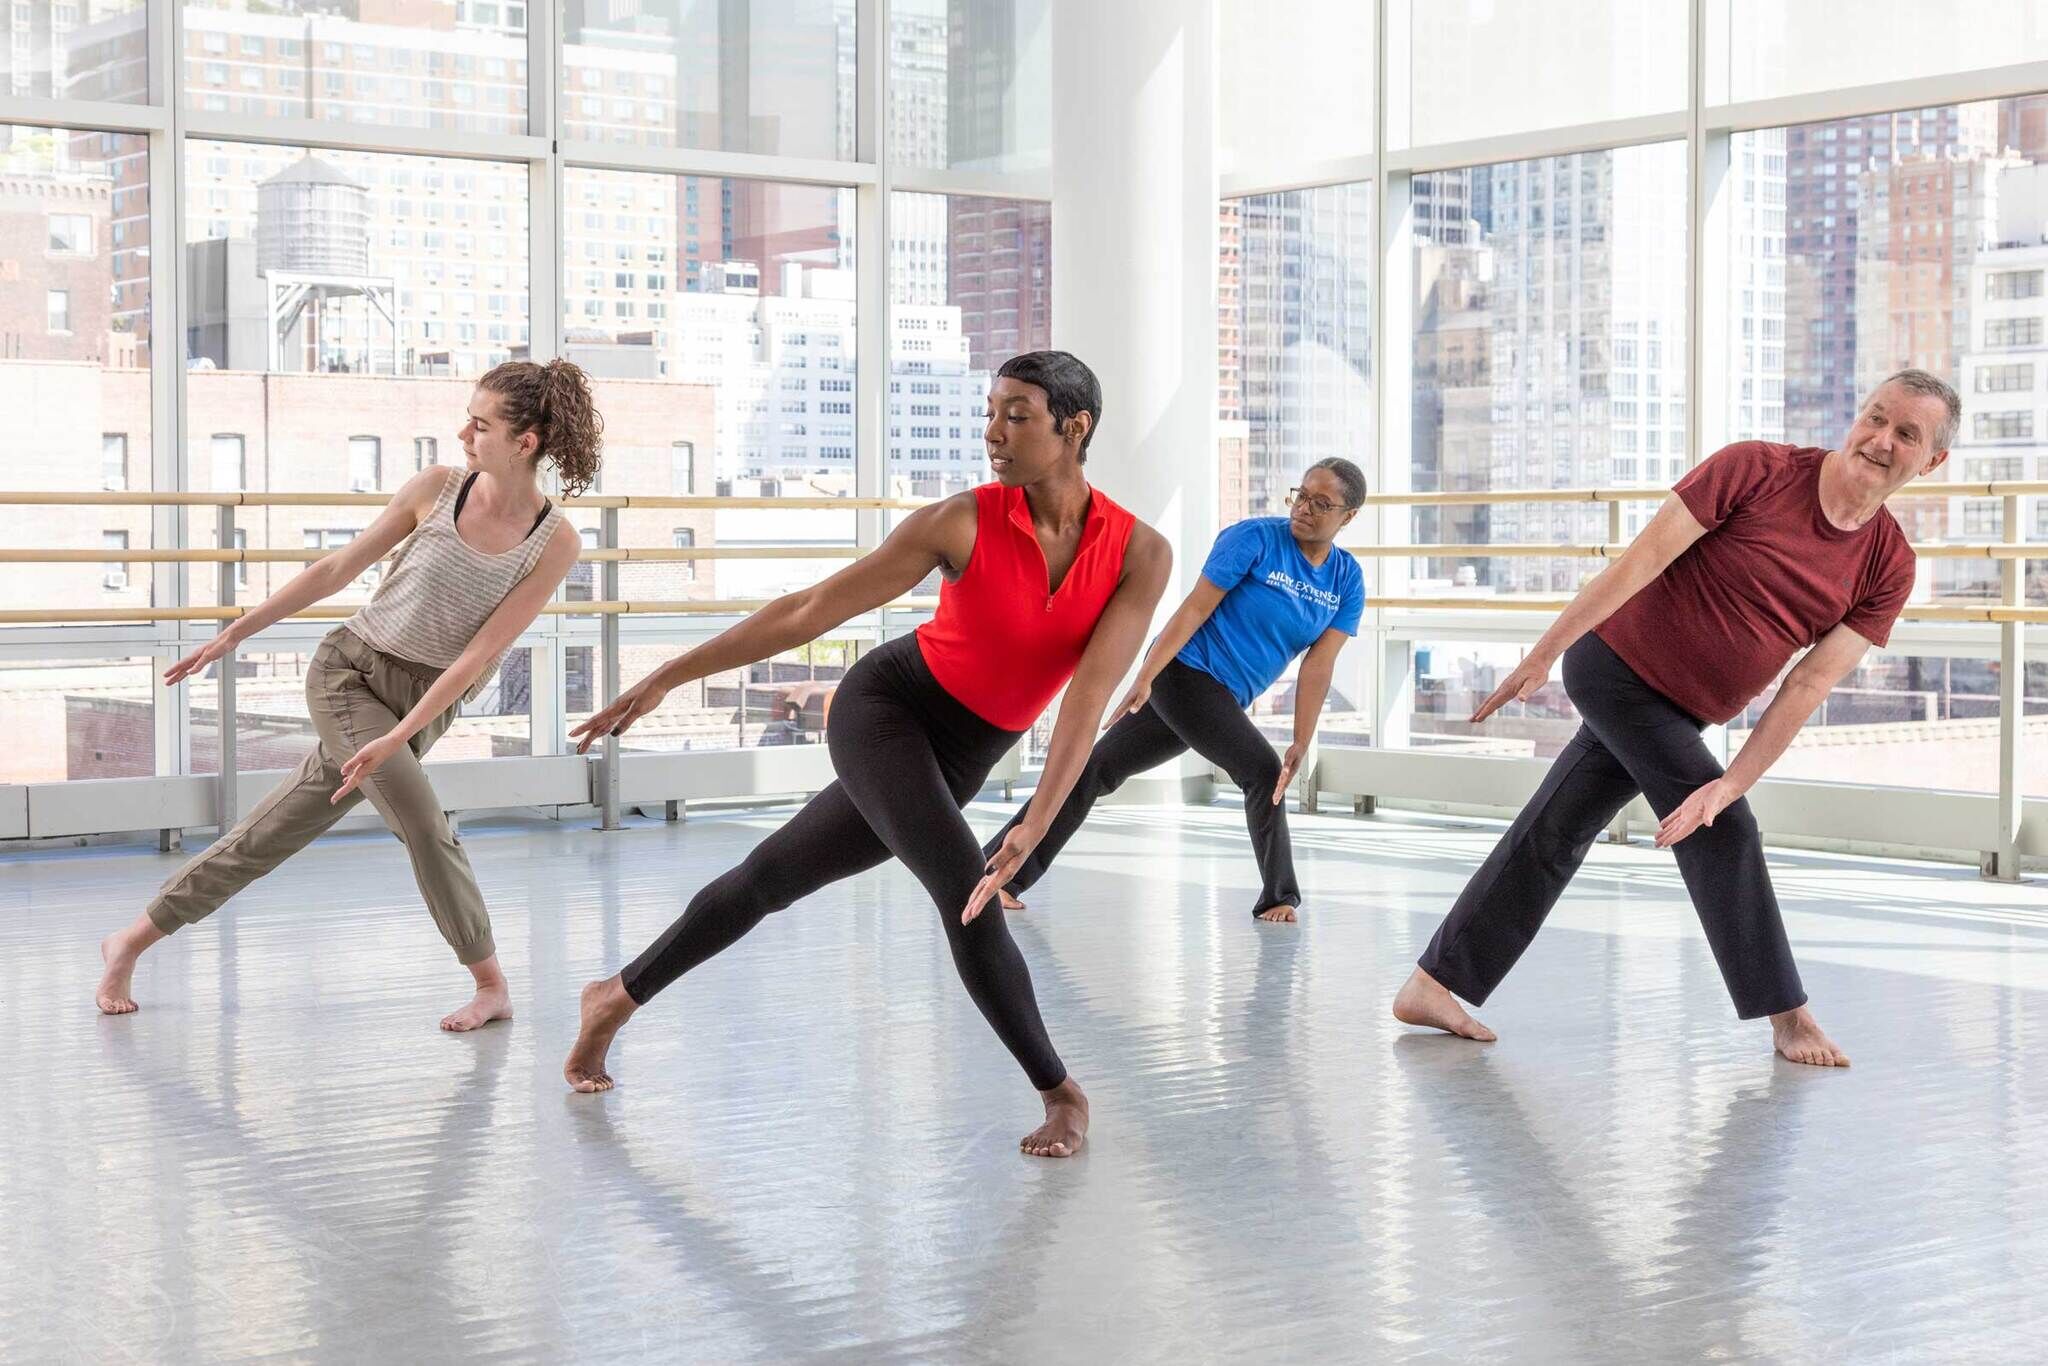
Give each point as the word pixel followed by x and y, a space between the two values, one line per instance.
pixel 1697 810
pixel 363 763
pixel 1290 764
pixel 1015 848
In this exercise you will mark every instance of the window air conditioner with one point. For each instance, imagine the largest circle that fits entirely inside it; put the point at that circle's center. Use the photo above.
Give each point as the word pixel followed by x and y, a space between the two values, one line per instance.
pixel 116 578
pixel 362 486
pixel 115 482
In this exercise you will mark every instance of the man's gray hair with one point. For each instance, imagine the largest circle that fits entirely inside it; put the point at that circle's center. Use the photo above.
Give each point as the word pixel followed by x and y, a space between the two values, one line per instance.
pixel 1934 386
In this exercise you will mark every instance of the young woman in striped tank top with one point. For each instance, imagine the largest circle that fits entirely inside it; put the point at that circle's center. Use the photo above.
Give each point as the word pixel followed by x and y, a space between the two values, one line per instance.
pixel 1046 580
pixel 482 552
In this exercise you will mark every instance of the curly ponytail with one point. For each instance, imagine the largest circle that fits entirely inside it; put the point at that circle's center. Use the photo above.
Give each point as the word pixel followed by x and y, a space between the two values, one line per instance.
pixel 553 400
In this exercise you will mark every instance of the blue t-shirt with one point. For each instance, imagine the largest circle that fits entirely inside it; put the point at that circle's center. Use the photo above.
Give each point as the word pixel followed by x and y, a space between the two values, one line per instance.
pixel 1275 605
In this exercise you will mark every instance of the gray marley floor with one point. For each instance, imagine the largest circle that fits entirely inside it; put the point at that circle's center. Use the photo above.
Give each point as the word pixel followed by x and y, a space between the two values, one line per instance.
pixel 812 1150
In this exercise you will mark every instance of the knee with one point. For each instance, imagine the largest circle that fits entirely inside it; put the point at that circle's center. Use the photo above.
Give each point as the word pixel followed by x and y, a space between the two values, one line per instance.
pixel 1738 822
pixel 1258 774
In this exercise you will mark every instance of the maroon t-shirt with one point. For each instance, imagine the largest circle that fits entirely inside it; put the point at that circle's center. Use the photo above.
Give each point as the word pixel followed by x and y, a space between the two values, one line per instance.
pixel 1771 576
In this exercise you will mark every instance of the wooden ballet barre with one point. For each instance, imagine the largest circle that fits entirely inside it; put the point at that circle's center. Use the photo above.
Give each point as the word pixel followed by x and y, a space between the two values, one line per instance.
pixel 586 502
pixel 1989 612
pixel 647 555
pixel 91 616
pixel 1933 488
pixel 1973 550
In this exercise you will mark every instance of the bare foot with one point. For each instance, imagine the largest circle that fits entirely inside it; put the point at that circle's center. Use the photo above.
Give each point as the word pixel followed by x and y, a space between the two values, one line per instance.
pixel 1010 903
pixel 1066 1123
pixel 1425 1001
pixel 119 952
pixel 490 1003
pixel 1796 1035
pixel 114 994
pixel 1280 914
pixel 606 1006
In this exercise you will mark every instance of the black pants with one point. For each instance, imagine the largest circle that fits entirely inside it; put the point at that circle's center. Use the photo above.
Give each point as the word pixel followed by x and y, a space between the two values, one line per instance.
pixel 909 756
pixel 1188 710
pixel 1634 739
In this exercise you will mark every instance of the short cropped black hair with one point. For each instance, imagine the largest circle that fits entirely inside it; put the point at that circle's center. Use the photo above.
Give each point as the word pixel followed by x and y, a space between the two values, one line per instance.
pixel 1070 387
pixel 1349 475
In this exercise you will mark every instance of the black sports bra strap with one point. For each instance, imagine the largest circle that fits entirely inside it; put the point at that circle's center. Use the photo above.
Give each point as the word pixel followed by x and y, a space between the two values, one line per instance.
pixel 463 497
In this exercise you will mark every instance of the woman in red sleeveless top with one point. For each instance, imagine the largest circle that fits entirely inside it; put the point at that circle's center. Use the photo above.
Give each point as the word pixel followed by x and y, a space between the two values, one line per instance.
pixel 1046 581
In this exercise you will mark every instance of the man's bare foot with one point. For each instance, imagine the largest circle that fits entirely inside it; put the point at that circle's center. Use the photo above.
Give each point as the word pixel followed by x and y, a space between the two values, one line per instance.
pixel 1279 914
pixel 119 952
pixel 606 1006
pixel 1010 903
pixel 1066 1123
pixel 1425 1001
pixel 1796 1035
pixel 489 1003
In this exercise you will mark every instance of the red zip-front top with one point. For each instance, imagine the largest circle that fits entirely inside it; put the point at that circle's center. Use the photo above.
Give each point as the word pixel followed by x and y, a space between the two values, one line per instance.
pixel 1001 642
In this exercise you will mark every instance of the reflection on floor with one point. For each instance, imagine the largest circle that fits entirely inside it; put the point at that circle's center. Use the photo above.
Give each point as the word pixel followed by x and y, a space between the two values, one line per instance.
pixel 813 1146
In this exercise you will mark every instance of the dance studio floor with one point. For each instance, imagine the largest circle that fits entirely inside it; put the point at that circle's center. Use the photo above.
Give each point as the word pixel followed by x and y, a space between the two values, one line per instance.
pixel 812 1150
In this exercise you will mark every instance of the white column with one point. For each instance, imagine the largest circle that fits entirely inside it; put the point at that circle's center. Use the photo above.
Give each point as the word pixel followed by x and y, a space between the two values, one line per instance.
pixel 1134 252
pixel 1134 205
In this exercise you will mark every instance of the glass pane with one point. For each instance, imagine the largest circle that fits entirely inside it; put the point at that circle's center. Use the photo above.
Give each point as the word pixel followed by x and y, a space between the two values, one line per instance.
pixel 1788 47
pixel 1906 721
pixel 78 718
pixel 1910 238
pixel 771 77
pixel 74 308
pixel 970 285
pixel 459 66
pixel 1296 83
pixel 970 84
pixel 394 281
pixel 499 722
pixel 716 320
pixel 76 51
pixel 1486 67
pixel 1549 353
pixel 1453 676
pixel 1294 330
pixel 272 727
pixel 274 730
pixel 782 701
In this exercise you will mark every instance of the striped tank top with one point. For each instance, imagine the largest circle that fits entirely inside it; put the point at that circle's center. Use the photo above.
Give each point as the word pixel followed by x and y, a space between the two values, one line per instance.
pixel 438 590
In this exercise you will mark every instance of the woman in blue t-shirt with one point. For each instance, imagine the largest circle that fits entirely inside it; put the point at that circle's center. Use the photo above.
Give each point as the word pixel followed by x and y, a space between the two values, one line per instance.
pixel 1271 588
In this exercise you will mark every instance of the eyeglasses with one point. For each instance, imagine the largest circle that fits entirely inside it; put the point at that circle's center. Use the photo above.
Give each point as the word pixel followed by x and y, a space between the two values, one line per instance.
pixel 1316 503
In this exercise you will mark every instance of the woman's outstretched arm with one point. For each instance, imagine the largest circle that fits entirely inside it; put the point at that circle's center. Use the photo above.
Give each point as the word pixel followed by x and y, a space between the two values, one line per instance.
pixel 325 576
pixel 941 533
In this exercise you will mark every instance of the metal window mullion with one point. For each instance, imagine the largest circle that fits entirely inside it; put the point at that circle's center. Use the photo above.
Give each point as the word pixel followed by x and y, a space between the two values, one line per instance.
pixel 169 526
pixel 336 136
pixel 1391 292
pixel 2003 862
pixel 699 161
pixel 88 116
pixel 1883 97
pixel 226 713
pixel 1307 175
pixel 1634 131
pixel 1033 186
pixel 607 769
pixel 871 269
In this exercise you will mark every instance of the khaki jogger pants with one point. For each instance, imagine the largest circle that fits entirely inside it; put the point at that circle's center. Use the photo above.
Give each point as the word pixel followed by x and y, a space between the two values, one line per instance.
pixel 355 694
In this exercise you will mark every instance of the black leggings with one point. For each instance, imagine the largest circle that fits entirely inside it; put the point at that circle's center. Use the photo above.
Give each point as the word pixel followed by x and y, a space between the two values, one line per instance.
pixel 1633 739
pixel 909 756
pixel 1188 710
